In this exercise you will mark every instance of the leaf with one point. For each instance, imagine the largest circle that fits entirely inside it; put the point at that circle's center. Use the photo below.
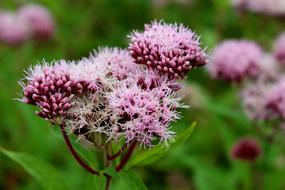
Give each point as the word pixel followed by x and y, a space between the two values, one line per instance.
pixel 46 174
pixel 226 112
pixel 112 172
pixel 149 156
pixel 132 180
pixel 100 182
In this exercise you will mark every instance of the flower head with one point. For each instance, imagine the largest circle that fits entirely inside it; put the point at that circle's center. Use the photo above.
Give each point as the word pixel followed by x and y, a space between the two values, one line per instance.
pixel 279 49
pixel 117 62
pixel 253 100
pixel 13 29
pixel 172 50
pixel 274 7
pixel 145 109
pixel 247 149
pixel 49 87
pixel 89 115
pixel 38 19
pixel 235 60
pixel 275 100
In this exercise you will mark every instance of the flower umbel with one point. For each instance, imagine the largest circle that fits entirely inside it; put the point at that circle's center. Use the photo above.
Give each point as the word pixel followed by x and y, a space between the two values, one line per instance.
pixel 145 109
pixel 235 60
pixel 170 49
pixel 110 100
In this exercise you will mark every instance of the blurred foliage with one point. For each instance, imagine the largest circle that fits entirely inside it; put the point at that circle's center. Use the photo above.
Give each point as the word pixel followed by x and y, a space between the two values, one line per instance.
pixel 203 162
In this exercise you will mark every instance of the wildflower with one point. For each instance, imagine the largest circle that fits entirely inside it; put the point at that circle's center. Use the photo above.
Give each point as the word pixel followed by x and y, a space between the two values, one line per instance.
pixel 172 50
pixel 50 88
pixel 279 49
pixel 117 62
pixel 89 116
pixel 145 110
pixel 269 68
pixel 39 20
pixel 13 29
pixel 274 7
pixel 247 149
pixel 234 60
pixel 253 100
pixel 275 100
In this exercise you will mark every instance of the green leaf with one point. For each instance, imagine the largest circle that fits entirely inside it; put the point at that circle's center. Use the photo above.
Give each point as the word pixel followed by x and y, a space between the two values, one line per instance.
pixel 149 156
pixel 100 182
pixel 46 175
pixel 112 172
pixel 132 180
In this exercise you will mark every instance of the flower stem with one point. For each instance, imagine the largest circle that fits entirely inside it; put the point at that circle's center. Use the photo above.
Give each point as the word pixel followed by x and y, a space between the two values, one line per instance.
pixel 118 153
pixel 126 157
pixel 75 154
pixel 108 182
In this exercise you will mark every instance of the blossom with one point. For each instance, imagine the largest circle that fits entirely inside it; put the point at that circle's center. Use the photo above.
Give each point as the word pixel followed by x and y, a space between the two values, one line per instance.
pixel 253 100
pixel 172 50
pixel 279 49
pixel 234 60
pixel 88 76
pixel 145 109
pixel 50 88
pixel 275 100
pixel 247 149
pixel 273 7
pixel 89 115
pixel 107 97
pixel 269 68
pixel 39 20
pixel 13 29
pixel 116 62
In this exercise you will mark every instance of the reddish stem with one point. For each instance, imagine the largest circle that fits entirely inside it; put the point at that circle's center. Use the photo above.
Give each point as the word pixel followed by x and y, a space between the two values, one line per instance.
pixel 126 157
pixel 118 153
pixel 75 154
pixel 108 182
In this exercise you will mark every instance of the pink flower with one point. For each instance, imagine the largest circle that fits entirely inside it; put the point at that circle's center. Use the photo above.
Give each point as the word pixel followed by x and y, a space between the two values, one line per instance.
pixel 145 108
pixel 253 100
pixel 117 62
pixel 50 88
pixel 273 7
pixel 275 100
pixel 279 49
pixel 13 29
pixel 39 20
pixel 234 60
pixel 247 149
pixel 172 50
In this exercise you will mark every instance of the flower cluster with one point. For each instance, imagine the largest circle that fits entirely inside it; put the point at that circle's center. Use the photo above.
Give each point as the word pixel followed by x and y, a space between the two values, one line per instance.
pixel 235 60
pixel 38 19
pixel 30 21
pixel 275 100
pixel 13 29
pixel 272 7
pixel 108 96
pixel 169 49
pixel 48 87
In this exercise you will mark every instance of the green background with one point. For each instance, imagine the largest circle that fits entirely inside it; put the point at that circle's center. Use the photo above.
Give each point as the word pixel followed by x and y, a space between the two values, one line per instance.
pixel 204 161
